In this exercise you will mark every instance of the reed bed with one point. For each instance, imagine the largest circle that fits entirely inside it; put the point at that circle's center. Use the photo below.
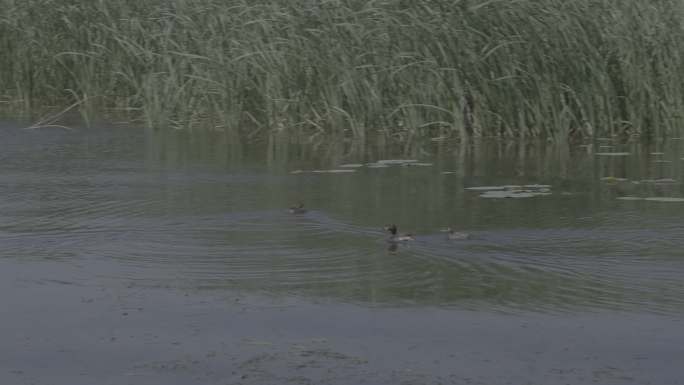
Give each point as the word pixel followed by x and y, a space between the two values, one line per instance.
pixel 510 68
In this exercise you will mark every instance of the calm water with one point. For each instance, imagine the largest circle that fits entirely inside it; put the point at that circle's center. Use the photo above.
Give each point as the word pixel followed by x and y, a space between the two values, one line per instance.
pixel 211 213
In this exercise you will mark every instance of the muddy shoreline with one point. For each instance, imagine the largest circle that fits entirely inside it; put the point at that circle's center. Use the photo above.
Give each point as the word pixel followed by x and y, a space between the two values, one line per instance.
pixel 62 326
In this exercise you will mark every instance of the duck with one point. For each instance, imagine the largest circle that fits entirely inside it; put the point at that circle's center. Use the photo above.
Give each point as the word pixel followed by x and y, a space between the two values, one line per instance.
pixel 298 209
pixel 455 235
pixel 397 238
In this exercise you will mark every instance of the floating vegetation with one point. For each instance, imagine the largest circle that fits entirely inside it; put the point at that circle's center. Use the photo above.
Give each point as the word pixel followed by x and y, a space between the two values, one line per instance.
pixel 332 171
pixel 612 179
pixel 397 161
pixel 376 165
pixel 512 191
pixel 513 194
pixel 658 181
pixel 486 188
pixel 352 167
pixel 664 199
pixel 652 199
pixel 657 153
pixel 612 153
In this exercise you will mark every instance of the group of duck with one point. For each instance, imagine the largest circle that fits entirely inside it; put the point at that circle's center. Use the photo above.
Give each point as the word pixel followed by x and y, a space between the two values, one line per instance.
pixel 394 236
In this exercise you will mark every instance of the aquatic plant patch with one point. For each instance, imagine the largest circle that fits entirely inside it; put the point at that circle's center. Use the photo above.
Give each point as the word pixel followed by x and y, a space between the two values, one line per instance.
pixel 512 191
pixel 612 153
pixel 652 199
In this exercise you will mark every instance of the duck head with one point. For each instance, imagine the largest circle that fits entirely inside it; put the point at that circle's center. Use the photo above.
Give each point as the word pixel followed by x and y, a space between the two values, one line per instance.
pixel 451 234
pixel 394 237
pixel 392 229
pixel 298 209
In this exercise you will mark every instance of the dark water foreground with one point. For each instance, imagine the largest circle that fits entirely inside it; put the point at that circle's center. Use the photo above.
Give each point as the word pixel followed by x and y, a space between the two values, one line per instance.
pixel 62 325
pixel 135 259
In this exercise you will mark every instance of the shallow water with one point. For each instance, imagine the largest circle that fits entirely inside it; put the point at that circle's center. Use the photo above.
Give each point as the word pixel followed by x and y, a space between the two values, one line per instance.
pixel 211 213
pixel 133 257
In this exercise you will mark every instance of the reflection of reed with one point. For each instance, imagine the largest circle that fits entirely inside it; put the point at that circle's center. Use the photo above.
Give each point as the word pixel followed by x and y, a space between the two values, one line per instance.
pixel 511 162
pixel 216 217
pixel 522 151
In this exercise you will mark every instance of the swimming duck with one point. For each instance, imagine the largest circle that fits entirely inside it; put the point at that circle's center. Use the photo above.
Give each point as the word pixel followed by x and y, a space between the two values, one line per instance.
pixel 397 238
pixel 299 209
pixel 454 235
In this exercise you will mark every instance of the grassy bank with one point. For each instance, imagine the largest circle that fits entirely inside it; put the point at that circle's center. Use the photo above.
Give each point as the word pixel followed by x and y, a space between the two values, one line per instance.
pixel 442 67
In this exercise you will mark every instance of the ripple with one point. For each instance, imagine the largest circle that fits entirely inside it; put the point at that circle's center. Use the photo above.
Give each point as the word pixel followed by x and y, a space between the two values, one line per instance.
pixel 216 229
pixel 315 254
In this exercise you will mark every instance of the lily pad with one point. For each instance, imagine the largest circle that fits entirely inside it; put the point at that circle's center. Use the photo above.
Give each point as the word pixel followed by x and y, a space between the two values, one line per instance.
pixel 333 171
pixel 652 199
pixel 376 165
pixel 512 189
pixel 397 161
pixel 659 181
pixel 612 153
pixel 630 198
pixel 664 199
pixel 513 194
pixel 486 188
pixel 612 179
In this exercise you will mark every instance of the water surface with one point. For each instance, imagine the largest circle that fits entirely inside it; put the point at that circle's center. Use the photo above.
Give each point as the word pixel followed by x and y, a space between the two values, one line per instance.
pixel 156 259
pixel 210 213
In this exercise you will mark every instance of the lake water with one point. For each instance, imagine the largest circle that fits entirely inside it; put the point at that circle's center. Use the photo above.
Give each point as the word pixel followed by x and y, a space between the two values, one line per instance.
pixel 122 210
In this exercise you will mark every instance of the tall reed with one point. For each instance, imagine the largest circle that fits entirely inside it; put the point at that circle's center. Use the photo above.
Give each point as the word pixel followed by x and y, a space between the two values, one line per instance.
pixel 550 68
